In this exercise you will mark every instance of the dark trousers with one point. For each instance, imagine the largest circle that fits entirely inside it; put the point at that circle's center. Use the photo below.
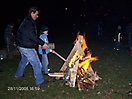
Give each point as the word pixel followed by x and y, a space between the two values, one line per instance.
pixel 9 41
pixel 129 39
pixel 117 45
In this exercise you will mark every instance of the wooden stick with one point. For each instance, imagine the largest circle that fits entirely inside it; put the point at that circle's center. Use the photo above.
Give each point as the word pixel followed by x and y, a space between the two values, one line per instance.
pixel 77 46
pixel 59 56
pixel 56 74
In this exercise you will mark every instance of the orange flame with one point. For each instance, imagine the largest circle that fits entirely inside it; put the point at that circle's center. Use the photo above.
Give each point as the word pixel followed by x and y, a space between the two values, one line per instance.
pixel 84 45
pixel 87 58
pixel 86 62
pixel 77 37
pixel 83 42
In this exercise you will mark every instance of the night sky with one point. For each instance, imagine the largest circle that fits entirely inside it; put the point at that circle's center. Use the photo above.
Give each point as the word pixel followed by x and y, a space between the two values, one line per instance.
pixel 50 9
pixel 56 13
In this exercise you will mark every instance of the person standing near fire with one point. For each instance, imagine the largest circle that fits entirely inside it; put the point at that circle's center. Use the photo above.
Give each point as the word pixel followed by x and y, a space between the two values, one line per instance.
pixel 28 41
pixel 43 52
pixel 118 38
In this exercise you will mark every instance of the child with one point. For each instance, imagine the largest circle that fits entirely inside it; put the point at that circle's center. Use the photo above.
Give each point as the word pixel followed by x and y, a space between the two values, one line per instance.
pixel 118 38
pixel 44 52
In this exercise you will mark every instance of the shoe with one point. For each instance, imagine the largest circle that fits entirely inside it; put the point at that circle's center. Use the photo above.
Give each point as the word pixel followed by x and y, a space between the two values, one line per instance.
pixel 45 73
pixel 44 83
pixel 20 77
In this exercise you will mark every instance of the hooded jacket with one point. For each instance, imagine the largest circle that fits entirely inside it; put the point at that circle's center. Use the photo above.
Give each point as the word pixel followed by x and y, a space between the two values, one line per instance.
pixel 45 39
pixel 27 34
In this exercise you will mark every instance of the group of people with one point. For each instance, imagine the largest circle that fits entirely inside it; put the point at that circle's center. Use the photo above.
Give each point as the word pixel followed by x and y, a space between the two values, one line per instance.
pixel 27 42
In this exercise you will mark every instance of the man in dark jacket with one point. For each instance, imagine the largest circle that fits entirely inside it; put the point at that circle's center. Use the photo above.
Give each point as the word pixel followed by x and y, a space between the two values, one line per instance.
pixel 28 41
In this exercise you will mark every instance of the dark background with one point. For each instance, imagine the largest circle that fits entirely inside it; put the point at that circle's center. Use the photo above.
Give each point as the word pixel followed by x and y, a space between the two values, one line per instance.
pixel 83 15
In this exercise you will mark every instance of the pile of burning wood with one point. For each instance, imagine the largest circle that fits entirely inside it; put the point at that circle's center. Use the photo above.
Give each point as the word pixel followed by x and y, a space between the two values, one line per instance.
pixel 77 69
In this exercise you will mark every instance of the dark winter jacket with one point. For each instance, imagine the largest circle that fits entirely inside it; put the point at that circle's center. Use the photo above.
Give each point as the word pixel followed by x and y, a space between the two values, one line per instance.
pixel 27 34
pixel 8 31
pixel 118 35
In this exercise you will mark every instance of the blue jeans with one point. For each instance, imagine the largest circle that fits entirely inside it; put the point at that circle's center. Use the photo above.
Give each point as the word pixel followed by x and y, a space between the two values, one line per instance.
pixel 117 45
pixel 45 63
pixel 30 55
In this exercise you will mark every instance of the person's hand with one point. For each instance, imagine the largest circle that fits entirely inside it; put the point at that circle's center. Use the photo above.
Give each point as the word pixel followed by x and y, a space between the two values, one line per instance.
pixel 53 51
pixel 114 39
pixel 45 46
pixel 40 46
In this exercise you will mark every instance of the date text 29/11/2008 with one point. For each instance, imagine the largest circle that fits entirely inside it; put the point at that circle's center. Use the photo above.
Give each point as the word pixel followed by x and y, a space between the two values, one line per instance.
pixel 23 88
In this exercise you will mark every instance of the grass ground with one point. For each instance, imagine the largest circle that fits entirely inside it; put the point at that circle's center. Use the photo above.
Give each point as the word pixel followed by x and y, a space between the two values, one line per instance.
pixel 114 67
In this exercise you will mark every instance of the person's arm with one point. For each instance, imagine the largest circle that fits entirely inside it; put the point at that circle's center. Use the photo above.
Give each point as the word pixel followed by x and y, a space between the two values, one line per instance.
pixel 31 34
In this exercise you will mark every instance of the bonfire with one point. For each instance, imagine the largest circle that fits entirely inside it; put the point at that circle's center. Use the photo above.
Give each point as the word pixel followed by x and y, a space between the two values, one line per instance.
pixel 77 70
